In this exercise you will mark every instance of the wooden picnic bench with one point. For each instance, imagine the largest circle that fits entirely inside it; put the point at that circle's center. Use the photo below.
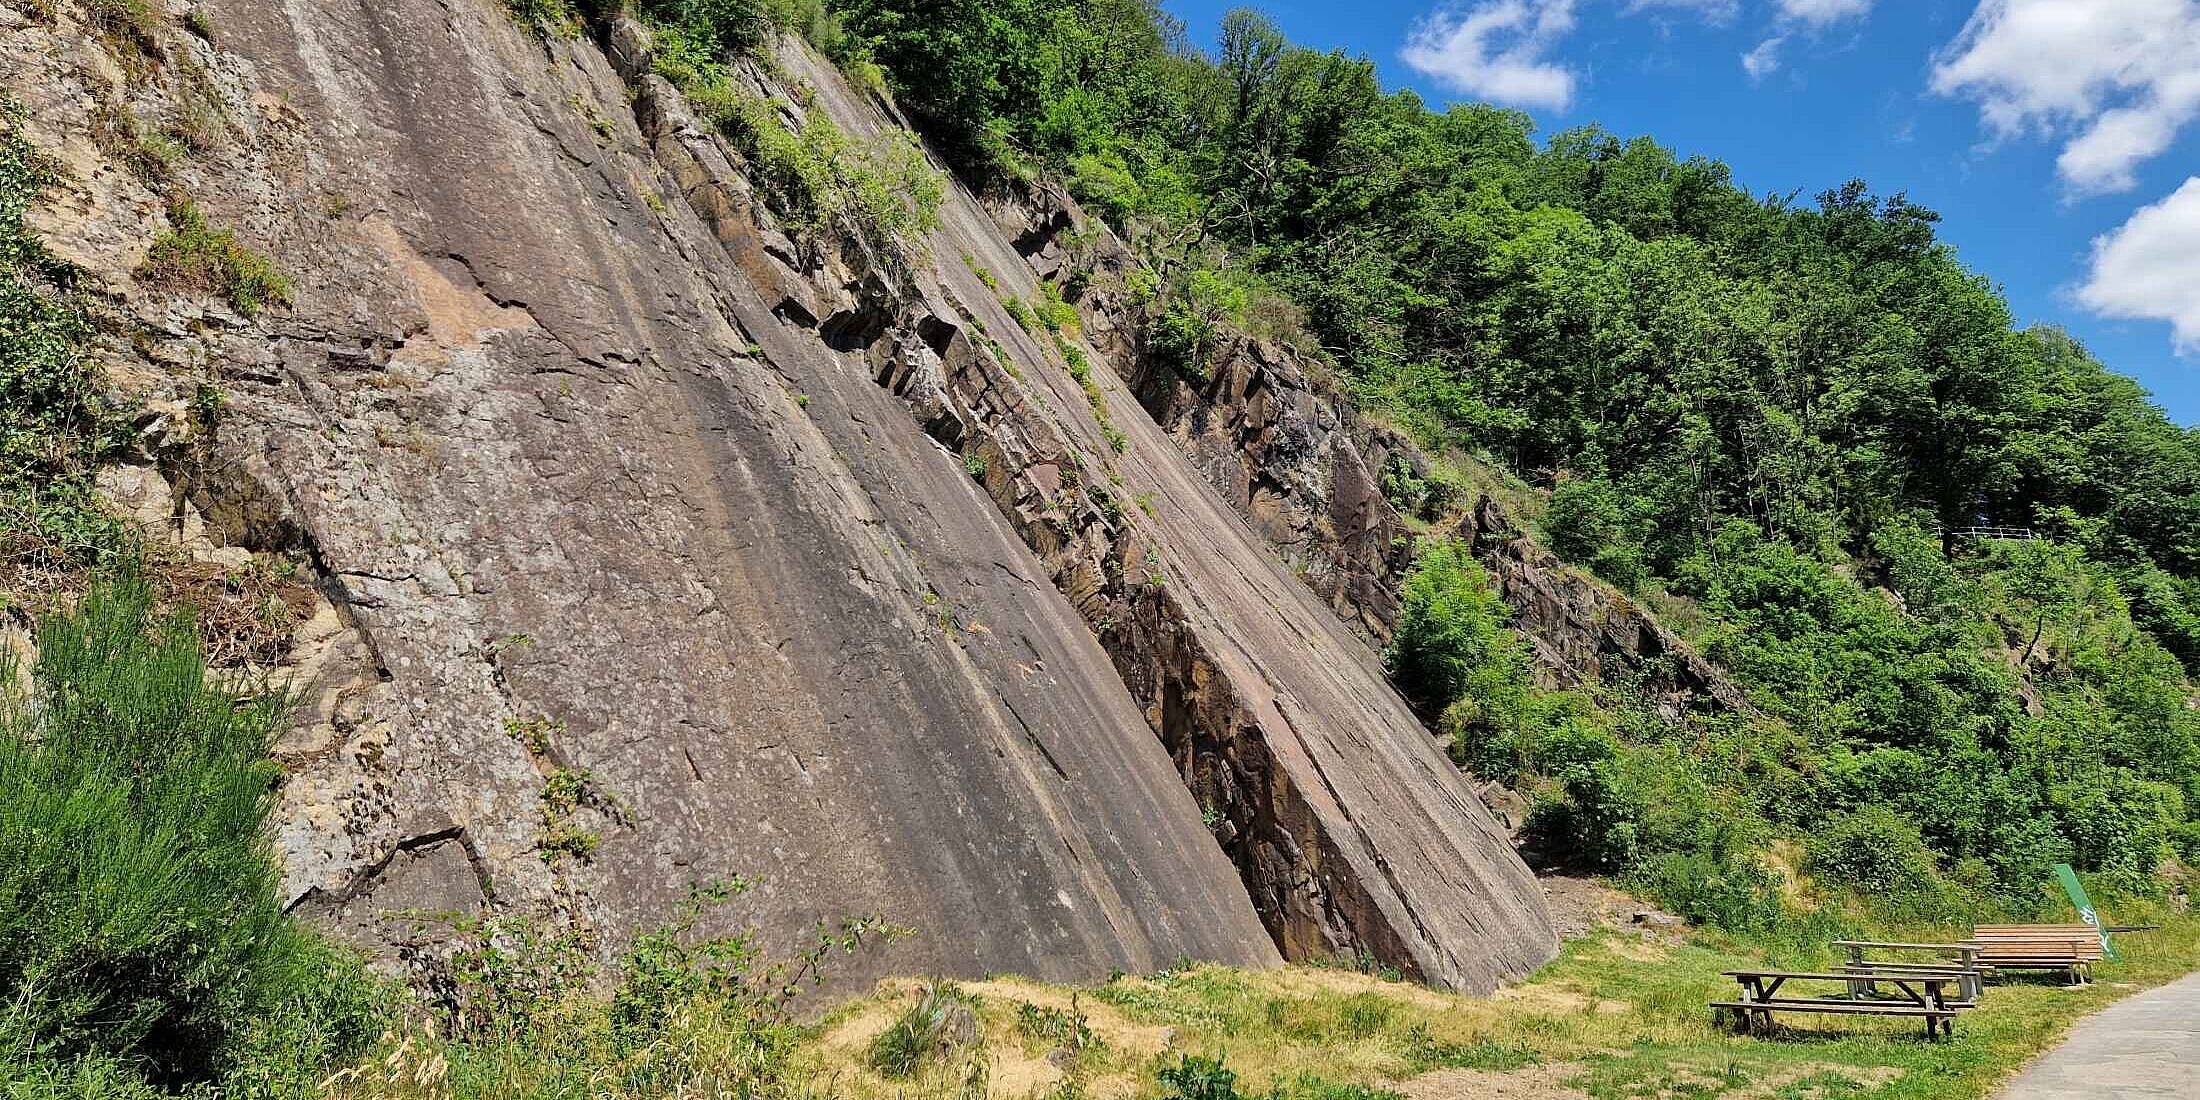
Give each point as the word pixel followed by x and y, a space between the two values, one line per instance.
pixel 2073 948
pixel 1962 962
pixel 1923 995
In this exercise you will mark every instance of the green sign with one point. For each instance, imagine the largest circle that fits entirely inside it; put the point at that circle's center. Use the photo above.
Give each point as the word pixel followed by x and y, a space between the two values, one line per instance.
pixel 2086 912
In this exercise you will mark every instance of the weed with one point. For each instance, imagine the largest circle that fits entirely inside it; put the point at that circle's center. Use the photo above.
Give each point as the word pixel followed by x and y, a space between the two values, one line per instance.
pixel 1195 1077
pixel 567 840
pixel 1067 1029
pixel 57 426
pixel 941 1021
pixel 193 256
pixel 534 734
pixel 1058 316
pixel 984 276
pixel 974 464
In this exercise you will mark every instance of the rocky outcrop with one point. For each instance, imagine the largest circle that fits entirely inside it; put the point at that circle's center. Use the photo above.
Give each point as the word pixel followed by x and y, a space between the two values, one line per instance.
pixel 802 557
pixel 587 504
pixel 1351 831
pixel 1585 632
pixel 1264 427
pixel 1288 451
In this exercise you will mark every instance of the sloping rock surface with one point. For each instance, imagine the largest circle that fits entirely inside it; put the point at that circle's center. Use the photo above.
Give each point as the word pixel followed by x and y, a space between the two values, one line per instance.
pixel 604 475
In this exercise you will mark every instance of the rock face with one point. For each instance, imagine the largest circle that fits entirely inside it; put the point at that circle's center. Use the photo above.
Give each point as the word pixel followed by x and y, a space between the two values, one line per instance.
pixel 806 560
pixel 1585 632
pixel 1306 471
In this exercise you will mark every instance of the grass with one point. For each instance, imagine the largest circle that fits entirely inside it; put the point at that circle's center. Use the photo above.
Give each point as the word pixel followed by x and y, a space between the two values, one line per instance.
pixel 196 257
pixel 1616 1016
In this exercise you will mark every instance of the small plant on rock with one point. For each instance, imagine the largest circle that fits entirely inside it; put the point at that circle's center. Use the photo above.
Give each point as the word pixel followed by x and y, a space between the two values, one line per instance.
pixel 194 256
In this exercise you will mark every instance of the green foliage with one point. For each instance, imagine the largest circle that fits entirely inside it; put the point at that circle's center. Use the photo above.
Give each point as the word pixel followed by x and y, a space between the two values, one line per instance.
pixel 1052 313
pixel 139 926
pixel 1874 850
pixel 810 173
pixel 195 257
pixel 923 1034
pixel 1451 642
pixel 1064 1028
pixel 1195 1077
pixel 1587 523
pixel 544 15
pixel 56 426
pixel 524 1008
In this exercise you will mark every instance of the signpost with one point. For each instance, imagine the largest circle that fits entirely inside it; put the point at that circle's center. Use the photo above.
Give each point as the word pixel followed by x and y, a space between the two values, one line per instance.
pixel 2086 912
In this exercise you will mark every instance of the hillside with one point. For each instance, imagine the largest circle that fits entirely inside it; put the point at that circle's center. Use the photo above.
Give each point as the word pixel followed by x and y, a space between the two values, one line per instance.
pixel 663 500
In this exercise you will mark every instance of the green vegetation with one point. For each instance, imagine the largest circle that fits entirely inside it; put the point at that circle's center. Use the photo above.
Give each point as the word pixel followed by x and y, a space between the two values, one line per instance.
pixel 1768 420
pixel 146 953
pixel 195 257
pixel 56 424
pixel 1619 1015
pixel 139 931
pixel 810 172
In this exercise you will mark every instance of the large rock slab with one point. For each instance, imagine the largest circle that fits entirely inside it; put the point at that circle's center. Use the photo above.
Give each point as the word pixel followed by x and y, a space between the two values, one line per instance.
pixel 589 507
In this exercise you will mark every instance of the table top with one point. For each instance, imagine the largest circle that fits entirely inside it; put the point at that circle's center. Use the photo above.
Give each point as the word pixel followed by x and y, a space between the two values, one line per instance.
pixel 1882 976
pixel 1966 946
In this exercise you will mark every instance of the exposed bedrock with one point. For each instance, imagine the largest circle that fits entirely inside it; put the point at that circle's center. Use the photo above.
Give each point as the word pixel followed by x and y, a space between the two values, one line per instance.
pixel 1278 441
pixel 817 565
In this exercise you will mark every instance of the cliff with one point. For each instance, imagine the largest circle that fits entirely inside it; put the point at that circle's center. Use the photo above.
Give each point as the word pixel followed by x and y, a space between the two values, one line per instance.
pixel 793 552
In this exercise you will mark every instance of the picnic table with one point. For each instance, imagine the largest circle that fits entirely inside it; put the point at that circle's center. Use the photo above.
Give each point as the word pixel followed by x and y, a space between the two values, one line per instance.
pixel 1924 994
pixel 1963 963
pixel 2072 948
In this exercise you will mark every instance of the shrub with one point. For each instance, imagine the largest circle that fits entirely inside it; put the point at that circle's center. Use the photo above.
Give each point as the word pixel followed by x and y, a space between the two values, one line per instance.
pixel 1452 642
pixel 1736 894
pixel 941 1020
pixel 193 256
pixel 1587 524
pixel 138 913
pixel 1873 851
pixel 1192 322
pixel 1195 1077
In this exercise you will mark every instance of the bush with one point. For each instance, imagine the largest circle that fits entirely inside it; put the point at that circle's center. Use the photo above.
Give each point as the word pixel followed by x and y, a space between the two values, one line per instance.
pixel 1871 852
pixel 1735 893
pixel 1452 642
pixel 941 1021
pixel 138 913
pixel 883 188
pixel 1194 1077
pixel 1588 524
pixel 56 426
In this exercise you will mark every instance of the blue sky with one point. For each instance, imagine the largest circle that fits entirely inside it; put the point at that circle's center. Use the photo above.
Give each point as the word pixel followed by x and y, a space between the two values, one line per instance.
pixel 2037 128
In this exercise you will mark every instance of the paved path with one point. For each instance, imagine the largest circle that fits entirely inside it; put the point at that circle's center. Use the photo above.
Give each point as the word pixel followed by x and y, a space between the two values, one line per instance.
pixel 2146 1046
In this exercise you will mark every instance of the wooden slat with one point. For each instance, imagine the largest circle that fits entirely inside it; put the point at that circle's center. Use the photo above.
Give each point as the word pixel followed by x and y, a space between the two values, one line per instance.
pixel 1849 1008
pixel 1888 975
pixel 1877 945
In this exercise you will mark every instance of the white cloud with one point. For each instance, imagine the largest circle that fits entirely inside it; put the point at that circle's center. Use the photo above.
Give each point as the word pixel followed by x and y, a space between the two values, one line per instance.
pixel 2123 76
pixel 2150 268
pixel 1498 50
pixel 1792 16
pixel 1765 59
pixel 1819 13
pixel 1717 11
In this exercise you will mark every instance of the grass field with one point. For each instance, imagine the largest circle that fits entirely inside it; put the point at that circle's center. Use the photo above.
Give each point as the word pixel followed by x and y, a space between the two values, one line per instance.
pixel 1620 1014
